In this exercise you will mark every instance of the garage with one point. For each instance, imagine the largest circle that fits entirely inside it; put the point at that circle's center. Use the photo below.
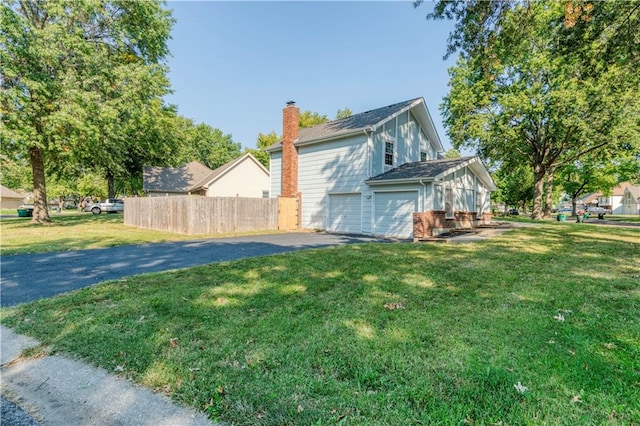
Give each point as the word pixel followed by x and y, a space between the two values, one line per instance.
pixel 345 214
pixel 393 213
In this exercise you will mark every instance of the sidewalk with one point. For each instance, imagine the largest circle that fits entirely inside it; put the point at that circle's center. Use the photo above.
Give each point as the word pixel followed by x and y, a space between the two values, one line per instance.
pixel 56 390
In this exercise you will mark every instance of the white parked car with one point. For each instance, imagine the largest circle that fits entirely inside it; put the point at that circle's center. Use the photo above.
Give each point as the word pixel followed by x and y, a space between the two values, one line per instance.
pixel 110 205
pixel 598 210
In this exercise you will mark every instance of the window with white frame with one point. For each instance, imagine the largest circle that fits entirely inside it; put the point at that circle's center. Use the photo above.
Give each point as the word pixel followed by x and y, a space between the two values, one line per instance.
pixel 478 203
pixel 423 156
pixel 448 202
pixel 388 153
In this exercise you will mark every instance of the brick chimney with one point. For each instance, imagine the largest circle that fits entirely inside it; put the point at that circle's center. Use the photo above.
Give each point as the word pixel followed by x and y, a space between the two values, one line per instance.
pixel 290 124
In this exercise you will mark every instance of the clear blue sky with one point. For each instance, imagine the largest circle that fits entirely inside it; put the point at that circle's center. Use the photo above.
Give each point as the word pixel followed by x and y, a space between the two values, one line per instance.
pixel 234 65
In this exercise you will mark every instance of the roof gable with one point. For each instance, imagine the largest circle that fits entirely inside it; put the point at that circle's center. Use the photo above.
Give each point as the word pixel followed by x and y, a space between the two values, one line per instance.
pixel 222 170
pixel 633 190
pixel 354 123
pixel 364 121
pixel 619 190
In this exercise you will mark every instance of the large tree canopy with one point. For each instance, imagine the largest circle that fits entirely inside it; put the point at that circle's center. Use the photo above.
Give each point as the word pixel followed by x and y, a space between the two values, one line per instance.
pixel 542 83
pixel 82 81
pixel 203 143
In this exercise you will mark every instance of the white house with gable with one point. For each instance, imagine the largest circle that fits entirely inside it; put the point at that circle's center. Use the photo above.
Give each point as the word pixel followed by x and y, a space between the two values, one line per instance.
pixel 379 172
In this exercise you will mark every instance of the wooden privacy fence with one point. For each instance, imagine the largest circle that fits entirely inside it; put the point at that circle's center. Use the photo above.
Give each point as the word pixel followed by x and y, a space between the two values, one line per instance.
pixel 202 215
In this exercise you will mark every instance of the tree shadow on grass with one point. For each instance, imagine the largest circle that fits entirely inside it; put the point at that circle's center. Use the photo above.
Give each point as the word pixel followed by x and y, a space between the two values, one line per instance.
pixel 376 333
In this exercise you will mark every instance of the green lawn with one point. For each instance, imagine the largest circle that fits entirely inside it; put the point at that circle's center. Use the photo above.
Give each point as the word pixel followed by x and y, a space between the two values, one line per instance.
pixel 76 231
pixel 623 218
pixel 378 333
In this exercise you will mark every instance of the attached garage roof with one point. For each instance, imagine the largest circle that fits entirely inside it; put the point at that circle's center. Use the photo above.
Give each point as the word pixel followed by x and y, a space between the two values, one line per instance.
pixel 432 171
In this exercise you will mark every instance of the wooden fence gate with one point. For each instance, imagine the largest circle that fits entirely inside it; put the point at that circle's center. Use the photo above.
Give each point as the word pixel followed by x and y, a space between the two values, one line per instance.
pixel 288 213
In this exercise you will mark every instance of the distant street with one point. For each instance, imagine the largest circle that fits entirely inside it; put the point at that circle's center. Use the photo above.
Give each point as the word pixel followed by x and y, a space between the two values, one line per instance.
pixel 28 277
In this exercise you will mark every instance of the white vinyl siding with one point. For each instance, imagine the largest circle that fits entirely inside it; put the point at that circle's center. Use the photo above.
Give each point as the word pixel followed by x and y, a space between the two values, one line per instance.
pixel 332 167
pixel 275 171
pixel 409 141
pixel 393 213
pixel 629 203
pixel 244 179
pixel 345 213
pixel 467 193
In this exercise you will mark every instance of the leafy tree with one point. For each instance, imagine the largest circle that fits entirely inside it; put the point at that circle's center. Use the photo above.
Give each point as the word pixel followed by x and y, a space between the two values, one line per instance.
pixel 61 189
pixel 452 153
pixel 70 69
pixel 583 177
pixel 262 143
pixel 343 113
pixel 310 119
pixel 515 186
pixel 530 89
pixel 91 185
pixel 15 173
pixel 206 144
pixel 307 119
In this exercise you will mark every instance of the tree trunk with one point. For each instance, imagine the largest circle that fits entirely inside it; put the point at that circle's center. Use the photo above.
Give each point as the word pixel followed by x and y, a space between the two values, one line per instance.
pixel 538 190
pixel 111 185
pixel 549 195
pixel 40 212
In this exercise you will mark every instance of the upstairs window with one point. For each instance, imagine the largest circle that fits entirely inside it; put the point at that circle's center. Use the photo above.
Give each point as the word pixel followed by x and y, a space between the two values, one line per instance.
pixel 423 156
pixel 388 153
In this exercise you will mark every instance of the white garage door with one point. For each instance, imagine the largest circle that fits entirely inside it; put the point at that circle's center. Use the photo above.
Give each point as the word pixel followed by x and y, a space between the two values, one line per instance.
pixel 345 213
pixel 393 213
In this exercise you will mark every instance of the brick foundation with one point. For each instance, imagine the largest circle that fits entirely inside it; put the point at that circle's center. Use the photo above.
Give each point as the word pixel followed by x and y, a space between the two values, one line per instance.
pixel 434 222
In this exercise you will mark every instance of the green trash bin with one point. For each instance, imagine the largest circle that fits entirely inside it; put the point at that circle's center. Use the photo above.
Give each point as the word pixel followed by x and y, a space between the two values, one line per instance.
pixel 562 217
pixel 25 212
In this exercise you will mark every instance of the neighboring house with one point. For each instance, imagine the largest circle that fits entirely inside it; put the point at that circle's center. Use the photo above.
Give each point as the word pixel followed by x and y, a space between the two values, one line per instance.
pixel 10 199
pixel 631 200
pixel 379 172
pixel 613 202
pixel 242 177
pixel 588 200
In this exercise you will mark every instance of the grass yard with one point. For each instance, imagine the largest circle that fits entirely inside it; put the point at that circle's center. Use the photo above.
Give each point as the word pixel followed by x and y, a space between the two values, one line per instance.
pixel 623 218
pixel 77 231
pixel 538 326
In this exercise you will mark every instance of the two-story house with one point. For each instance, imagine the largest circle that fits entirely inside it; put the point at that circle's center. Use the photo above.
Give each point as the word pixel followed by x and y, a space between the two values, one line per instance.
pixel 379 172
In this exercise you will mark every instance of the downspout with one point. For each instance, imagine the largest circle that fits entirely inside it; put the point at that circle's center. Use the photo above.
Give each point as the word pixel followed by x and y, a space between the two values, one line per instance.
pixel 369 133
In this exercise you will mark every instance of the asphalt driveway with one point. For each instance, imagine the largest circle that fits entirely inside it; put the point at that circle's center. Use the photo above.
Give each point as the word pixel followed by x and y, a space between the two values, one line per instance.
pixel 28 277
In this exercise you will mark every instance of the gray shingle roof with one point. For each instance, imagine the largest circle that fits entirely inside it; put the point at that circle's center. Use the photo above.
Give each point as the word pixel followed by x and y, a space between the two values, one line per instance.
pixel 187 178
pixel 352 124
pixel 174 179
pixel 9 193
pixel 420 169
